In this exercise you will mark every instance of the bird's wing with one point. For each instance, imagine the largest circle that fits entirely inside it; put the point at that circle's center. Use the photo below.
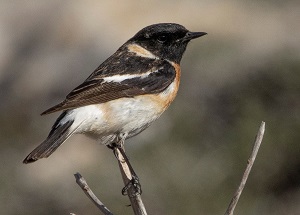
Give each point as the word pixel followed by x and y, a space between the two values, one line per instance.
pixel 104 87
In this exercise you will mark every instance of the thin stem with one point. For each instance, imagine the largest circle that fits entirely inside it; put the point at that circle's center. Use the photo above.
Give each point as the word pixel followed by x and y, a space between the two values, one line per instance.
pixel 126 172
pixel 87 190
pixel 237 194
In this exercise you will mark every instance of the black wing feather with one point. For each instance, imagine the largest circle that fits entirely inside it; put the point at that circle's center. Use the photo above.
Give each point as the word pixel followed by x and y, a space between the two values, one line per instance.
pixel 94 90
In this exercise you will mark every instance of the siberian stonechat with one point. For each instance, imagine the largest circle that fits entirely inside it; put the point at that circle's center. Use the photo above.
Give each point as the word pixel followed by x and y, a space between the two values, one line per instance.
pixel 126 93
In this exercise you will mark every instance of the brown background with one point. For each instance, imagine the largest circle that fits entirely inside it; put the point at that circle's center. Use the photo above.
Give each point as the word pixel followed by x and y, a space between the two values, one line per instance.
pixel 247 69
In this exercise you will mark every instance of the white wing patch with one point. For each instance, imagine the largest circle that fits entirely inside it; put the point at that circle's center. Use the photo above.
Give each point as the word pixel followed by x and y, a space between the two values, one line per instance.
pixel 120 78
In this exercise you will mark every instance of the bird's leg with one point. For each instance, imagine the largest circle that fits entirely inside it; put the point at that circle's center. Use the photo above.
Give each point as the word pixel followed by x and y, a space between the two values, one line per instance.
pixel 132 181
pixel 117 145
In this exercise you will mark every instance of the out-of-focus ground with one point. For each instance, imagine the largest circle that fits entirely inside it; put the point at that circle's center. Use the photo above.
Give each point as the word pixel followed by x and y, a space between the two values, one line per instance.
pixel 247 69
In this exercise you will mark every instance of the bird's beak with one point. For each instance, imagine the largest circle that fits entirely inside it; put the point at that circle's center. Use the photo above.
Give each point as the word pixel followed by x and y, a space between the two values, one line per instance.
pixel 193 35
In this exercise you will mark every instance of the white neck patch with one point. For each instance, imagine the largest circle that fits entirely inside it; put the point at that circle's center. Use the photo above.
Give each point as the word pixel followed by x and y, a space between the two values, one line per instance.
pixel 140 51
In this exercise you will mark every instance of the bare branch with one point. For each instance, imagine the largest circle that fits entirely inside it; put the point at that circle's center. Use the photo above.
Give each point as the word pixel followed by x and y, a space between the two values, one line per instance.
pixel 87 190
pixel 128 175
pixel 250 163
pixel 126 172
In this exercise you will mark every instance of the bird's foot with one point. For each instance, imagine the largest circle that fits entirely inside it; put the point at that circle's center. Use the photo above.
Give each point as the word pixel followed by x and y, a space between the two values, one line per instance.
pixel 134 183
pixel 116 150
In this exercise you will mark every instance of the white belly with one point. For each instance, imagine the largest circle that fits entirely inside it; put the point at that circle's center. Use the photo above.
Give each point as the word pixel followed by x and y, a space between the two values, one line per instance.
pixel 106 121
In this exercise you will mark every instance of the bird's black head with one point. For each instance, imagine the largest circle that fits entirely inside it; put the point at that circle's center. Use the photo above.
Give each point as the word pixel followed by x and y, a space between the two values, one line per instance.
pixel 165 40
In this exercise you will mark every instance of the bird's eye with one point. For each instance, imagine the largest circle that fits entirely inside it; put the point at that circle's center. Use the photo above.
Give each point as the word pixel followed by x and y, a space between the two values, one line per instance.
pixel 162 38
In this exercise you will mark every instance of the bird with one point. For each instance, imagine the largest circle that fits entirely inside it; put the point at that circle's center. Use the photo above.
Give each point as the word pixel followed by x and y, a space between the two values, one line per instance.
pixel 126 93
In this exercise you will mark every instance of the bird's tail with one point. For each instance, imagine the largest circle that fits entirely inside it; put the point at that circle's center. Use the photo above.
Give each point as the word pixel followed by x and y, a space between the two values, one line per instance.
pixel 57 136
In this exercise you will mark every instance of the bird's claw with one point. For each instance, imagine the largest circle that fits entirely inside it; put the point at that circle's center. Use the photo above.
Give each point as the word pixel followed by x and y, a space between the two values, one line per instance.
pixel 135 184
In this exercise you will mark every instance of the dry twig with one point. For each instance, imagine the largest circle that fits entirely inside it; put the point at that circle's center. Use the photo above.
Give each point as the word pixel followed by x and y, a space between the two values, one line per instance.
pixel 126 172
pixel 87 190
pixel 127 175
pixel 250 163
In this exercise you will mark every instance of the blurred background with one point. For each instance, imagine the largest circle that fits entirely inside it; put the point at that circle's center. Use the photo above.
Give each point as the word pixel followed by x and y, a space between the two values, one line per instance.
pixel 246 70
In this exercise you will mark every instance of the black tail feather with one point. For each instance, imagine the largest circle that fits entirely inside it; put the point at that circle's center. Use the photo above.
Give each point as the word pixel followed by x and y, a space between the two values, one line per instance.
pixel 57 136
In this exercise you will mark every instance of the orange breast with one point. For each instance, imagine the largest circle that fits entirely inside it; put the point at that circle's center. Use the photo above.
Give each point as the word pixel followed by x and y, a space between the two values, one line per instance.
pixel 164 99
